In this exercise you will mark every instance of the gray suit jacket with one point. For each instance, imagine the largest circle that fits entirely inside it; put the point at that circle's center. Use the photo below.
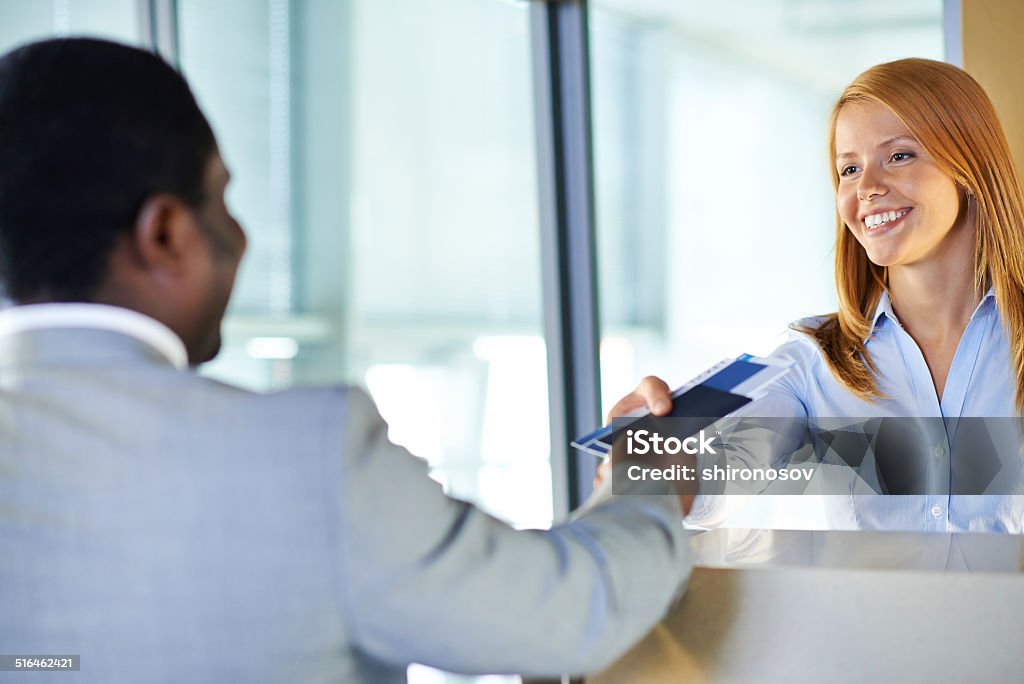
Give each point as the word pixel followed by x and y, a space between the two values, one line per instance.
pixel 169 528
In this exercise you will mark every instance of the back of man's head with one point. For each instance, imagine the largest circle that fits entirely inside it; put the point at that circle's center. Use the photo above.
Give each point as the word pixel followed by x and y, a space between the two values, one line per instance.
pixel 88 130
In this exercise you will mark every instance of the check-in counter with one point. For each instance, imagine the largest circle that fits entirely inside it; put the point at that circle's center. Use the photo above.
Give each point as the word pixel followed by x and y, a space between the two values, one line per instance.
pixel 793 606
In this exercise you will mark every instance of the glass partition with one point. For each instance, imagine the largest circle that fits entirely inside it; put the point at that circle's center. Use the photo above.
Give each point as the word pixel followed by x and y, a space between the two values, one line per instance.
pixel 714 199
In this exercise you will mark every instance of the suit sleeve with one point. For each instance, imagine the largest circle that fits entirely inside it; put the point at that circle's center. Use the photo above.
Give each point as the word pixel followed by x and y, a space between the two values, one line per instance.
pixel 430 579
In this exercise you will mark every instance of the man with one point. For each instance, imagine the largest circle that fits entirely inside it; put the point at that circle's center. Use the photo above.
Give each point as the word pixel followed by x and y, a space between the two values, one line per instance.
pixel 166 527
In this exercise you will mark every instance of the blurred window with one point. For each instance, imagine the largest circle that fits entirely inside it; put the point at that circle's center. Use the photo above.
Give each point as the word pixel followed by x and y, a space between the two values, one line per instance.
pixel 22 21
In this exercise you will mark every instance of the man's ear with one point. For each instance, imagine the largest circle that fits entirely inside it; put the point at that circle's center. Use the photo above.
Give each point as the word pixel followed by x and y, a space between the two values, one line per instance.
pixel 164 234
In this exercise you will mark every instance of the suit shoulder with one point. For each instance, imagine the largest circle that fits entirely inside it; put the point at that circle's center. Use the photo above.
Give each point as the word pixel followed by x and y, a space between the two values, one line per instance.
pixel 324 405
pixel 349 400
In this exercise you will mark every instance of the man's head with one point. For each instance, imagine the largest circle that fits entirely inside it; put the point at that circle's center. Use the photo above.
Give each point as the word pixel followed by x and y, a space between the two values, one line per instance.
pixel 112 188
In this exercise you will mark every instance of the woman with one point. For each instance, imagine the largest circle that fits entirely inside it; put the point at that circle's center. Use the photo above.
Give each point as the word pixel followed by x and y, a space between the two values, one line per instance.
pixel 930 278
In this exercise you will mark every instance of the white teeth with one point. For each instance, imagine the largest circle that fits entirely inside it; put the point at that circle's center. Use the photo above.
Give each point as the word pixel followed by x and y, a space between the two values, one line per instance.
pixel 883 217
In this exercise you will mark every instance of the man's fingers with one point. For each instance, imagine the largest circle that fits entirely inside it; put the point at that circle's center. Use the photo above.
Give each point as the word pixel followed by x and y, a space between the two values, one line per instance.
pixel 656 394
pixel 603 471
pixel 652 392
pixel 630 402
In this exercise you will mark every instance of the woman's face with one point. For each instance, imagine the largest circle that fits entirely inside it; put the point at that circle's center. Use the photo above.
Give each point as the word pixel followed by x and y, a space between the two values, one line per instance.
pixel 892 196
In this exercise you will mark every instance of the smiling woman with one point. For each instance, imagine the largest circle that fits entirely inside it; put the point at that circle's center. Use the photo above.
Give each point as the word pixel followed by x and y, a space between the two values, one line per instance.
pixel 929 264
pixel 921 139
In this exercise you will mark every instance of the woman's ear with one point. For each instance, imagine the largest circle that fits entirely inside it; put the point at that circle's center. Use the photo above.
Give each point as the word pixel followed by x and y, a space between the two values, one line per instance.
pixel 968 205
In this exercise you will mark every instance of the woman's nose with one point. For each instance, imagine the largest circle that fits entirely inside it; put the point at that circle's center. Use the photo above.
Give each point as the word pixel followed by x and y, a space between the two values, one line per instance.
pixel 870 184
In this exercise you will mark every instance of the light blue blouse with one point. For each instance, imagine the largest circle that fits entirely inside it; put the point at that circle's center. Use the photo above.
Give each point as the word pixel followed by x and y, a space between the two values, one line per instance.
pixel 980 384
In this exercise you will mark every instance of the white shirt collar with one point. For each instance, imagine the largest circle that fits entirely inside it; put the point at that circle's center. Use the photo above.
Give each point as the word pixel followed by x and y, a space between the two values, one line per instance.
pixel 18 319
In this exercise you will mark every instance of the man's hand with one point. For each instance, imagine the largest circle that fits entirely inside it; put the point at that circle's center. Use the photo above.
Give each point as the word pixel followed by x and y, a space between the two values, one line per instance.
pixel 652 392
pixel 655 394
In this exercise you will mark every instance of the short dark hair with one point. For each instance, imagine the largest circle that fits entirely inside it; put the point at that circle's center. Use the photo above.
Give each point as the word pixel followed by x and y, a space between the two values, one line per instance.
pixel 89 129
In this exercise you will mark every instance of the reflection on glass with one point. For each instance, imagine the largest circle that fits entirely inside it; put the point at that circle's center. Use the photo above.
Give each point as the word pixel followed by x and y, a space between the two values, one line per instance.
pixel 714 203
pixel 960 552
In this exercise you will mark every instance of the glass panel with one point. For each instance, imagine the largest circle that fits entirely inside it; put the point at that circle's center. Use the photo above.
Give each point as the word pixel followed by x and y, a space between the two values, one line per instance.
pixel 714 201
pixel 384 168
pixel 445 241
pixel 22 21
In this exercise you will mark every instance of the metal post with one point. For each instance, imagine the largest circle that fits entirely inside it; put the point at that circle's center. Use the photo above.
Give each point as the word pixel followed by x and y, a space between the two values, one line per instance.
pixel 565 174
pixel 158 28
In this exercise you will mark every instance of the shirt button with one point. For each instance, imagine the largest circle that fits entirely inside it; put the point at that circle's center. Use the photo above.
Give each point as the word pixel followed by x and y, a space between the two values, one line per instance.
pixel 940 451
pixel 936 511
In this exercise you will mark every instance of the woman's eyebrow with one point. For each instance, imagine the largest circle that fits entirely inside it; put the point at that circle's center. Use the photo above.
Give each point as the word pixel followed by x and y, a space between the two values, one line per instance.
pixel 897 138
pixel 884 143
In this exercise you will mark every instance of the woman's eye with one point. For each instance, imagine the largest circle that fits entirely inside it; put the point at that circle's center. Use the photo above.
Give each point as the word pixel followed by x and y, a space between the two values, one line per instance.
pixel 847 170
pixel 901 156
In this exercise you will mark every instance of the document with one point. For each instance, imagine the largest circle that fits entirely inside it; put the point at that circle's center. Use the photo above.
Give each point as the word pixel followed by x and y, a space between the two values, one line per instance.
pixel 717 392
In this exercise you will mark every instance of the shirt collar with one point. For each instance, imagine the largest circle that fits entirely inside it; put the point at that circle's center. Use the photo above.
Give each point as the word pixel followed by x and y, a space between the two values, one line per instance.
pixel 884 309
pixel 152 332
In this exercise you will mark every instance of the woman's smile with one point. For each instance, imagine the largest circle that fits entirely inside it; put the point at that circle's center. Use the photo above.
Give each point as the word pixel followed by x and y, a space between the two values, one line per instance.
pixel 880 223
